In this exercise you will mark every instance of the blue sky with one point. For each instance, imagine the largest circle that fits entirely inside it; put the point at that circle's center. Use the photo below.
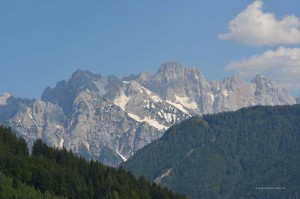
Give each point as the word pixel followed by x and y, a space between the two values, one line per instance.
pixel 43 42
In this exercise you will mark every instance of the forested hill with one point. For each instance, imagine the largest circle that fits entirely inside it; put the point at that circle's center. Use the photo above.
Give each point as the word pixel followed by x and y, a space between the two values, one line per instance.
pixel 250 153
pixel 54 173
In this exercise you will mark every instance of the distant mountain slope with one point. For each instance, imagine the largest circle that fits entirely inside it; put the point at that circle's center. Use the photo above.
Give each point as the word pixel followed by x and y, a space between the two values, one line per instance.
pixel 109 119
pixel 57 173
pixel 250 153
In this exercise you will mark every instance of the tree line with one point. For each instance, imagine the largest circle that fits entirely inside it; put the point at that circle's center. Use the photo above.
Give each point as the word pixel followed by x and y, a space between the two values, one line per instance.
pixel 58 173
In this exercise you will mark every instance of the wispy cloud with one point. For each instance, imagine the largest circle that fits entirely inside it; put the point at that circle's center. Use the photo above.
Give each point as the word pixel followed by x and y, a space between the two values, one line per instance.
pixel 255 27
pixel 282 65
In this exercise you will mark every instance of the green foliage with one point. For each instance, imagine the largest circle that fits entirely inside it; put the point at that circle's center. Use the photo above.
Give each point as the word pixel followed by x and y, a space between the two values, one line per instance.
pixel 15 189
pixel 250 153
pixel 50 173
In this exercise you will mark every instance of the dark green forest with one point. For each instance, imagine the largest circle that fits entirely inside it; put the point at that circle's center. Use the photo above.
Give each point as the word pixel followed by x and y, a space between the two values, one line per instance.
pixel 250 153
pixel 57 173
pixel 10 188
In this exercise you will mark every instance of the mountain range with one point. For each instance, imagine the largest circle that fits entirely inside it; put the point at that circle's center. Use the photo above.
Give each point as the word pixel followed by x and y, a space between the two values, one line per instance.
pixel 110 119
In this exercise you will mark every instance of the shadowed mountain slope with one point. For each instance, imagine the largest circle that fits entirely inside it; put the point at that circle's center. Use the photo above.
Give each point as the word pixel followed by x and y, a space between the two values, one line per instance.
pixel 250 153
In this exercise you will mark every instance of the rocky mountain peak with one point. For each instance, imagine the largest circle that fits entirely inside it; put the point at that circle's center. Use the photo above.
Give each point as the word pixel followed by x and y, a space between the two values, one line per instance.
pixel 85 75
pixel 232 81
pixel 143 78
pixel 65 92
pixel 261 81
pixel 4 98
pixel 264 84
pixel 170 68
pixel 83 80
pixel 269 92
pixel 175 71
pixel 173 79
pixel 259 77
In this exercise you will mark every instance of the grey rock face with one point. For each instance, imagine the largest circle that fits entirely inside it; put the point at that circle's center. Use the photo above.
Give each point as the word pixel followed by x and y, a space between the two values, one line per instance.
pixel 268 92
pixel 109 119
pixel 298 100
pixel 34 119
pixel 231 94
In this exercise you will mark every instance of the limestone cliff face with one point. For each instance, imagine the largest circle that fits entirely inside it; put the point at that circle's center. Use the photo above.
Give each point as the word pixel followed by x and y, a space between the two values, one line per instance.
pixel 109 119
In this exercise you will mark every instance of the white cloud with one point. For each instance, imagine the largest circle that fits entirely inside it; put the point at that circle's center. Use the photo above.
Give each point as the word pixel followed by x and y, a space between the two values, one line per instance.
pixel 282 65
pixel 254 27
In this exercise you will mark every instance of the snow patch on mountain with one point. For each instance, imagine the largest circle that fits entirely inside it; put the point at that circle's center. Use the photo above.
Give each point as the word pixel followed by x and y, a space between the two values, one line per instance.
pixel 186 102
pixel 225 92
pixel 168 116
pixel 148 120
pixel 87 145
pixel 122 101
pixel 29 114
pixel 61 143
pixel 123 158
pixel 178 106
pixel 154 97
pixel 59 127
pixel 212 97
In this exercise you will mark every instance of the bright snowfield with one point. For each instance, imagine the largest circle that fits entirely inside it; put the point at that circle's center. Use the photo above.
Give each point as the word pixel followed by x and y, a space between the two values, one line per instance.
pixel 122 101
pixel 149 121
